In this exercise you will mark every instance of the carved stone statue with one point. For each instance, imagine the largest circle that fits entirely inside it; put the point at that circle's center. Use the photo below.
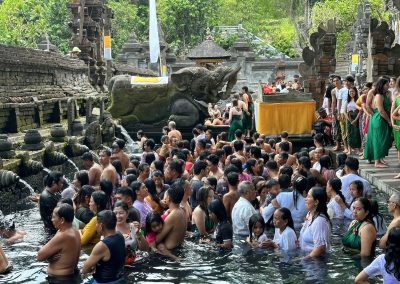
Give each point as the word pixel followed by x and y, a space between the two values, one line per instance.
pixel 93 137
pixel 184 99
pixel 108 131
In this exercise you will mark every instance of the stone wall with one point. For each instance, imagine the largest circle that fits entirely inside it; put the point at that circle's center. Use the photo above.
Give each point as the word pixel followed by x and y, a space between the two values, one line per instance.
pixel 35 86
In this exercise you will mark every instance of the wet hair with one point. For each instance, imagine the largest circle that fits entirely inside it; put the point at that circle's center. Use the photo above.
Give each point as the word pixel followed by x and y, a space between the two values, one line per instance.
pixel 120 143
pixel 392 253
pixel 272 142
pixel 299 187
pixel 135 162
pixel 217 207
pixel 319 137
pixel 118 167
pixel 128 191
pixel 272 165
pixel 230 169
pixel 130 178
pixel 255 151
pixel 238 133
pixel 82 177
pixel 150 218
pixel 284 134
pixel 366 204
pixel 142 167
pixel 151 188
pixel 149 158
pixel 66 200
pixel 286 170
pixel 238 164
pixel 121 204
pixel 228 150
pixel 213 159
pixel 341 160
pixel 336 185
pixel 107 187
pixel 305 161
pixel 396 197
pixel 108 219
pixel 66 211
pixel 284 181
pixel 106 151
pixel 254 219
pixel 175 165
pixel 85 191
pixel 319 193
pixel 352 163
pixel 140 133
pixel 284 146
pixel 158 173
pixel 238 145
pixel 100 199
pixel 271 183
pixel 201 197
pixel 176 192
pixel 202 143
pixel 52 177
pixel 286 215
pixel 380 221
pixel 212 181
pixel 150 143
pixel 87 156
pixel 284 155
pixel 325 162
pixel 159 165
pixel 249 164
pixel 359 186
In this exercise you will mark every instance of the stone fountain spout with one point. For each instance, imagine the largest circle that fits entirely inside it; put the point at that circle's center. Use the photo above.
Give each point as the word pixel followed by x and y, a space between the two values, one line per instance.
pixel 7 179
pixel 52 157
pixel 28 166
pixel 74 148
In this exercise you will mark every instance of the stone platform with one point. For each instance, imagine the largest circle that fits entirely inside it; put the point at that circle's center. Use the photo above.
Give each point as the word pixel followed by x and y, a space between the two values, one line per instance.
pixel 382 178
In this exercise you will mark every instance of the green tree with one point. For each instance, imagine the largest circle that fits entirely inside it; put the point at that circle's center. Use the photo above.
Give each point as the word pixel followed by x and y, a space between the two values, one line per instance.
pixel 185 21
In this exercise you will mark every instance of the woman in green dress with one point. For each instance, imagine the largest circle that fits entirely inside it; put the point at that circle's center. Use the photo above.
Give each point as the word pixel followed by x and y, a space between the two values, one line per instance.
pixel 395 115
pixel 235 119
pixel 379 137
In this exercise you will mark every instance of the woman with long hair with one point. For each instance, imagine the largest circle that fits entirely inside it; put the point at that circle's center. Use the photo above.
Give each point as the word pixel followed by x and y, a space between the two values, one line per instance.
pixel 235 119
pixel 379 138
pixel 224 231
pixel 352 125
pixel 326 167
pixel 81 201
pixel 334 191
pixel 315 235
pixel 89 235
pixel 361 235
pixel 153 199
pixel 285 237
pixel 201 221
pixel 387 264
pixel 130 231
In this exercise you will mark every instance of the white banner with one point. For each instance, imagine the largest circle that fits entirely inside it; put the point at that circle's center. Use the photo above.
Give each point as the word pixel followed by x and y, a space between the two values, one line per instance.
pixel 154 41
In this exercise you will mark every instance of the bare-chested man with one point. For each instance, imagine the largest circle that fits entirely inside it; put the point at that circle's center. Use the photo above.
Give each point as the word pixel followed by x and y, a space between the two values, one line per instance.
pixel 63 250
pixel 108 170
pixel 119 154
pixel 238 146
pixel 173 131
pixel 174 229
pixel 215 171
pixel 284 138
pixel 230 198
pixel 94 169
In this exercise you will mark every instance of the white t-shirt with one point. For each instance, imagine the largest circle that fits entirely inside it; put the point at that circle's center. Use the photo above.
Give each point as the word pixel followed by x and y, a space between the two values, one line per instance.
pixel 336 209
pixel 317 166
pixel 347 180
pixel 342 94
pixel 286 240
pixel 260 239
pixel 315 234
pixel 241 213
pixel 377 267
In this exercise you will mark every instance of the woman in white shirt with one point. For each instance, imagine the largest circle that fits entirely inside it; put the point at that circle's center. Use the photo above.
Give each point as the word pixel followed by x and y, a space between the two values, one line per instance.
pixel 315 235
pixel 285 238
pixel 387 264
pixel 333 189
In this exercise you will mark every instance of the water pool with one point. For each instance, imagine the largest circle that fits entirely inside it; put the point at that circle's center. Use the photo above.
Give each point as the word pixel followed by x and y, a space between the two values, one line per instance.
pixel 200 263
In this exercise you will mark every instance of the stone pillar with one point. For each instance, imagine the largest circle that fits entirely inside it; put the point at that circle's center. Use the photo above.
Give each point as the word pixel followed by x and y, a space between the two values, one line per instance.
pixel 89 107
pixel 70 115
pixel 101 106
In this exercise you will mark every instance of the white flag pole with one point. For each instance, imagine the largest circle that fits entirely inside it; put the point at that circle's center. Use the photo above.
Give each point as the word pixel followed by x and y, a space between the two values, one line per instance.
pixel 154 41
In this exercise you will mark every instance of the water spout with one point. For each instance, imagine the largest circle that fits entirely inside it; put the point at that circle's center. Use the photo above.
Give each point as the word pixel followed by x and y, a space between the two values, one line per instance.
pixel 70 162
pixel 131 146
pixel 27 185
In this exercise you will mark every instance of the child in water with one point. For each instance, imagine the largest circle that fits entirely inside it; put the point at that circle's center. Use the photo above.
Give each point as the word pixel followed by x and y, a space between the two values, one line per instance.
pixel 154 225
pixel 256 225
pixel 9 232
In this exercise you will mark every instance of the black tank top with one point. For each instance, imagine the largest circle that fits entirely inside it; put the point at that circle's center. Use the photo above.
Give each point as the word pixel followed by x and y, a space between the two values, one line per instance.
pixel 113 269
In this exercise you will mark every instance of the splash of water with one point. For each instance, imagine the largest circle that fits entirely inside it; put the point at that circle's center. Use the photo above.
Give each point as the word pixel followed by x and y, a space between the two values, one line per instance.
pixel 46 170
pixel 131 146
pixel 27 185
pixel 96 157
pixel 70 162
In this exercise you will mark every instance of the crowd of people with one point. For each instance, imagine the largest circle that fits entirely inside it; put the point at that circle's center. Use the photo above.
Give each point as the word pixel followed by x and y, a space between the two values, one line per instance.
pixel 221 190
